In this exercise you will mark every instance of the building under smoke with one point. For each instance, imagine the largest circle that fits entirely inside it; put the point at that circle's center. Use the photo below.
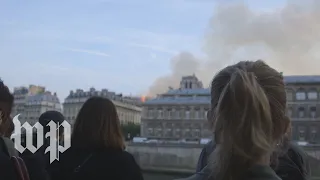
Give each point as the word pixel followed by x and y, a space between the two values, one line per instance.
pixel 181 113
pixel 178 113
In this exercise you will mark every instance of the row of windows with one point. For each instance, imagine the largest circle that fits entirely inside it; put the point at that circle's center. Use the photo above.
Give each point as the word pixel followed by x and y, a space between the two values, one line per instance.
pixel 301 95
pixel 303 113
pixel 302 134
pixel 178 114
pixel 176 133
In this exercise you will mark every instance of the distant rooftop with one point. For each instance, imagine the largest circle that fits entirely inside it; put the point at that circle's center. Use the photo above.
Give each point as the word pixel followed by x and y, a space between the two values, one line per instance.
pixel 301 79
pixel 202 95
pixel 80 93
pixel 47 96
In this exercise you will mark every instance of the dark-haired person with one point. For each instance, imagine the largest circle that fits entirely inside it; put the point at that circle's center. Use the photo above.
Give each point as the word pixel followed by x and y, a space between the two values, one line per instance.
pixel 248 106
pixel 6 145
pixel 38 163
pixel 97 147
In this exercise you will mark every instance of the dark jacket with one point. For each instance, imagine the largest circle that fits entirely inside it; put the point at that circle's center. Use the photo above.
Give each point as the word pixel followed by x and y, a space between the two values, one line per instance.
pixel 291 166
pixel 95 164
pixel 259 172
pixel 37 162
pixel 204 156
pixel 6 165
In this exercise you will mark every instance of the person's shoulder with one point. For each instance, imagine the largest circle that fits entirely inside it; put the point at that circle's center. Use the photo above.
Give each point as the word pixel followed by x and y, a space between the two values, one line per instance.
pixel 127 156
pixel 7 167
pixel 296 153
pixel 260 172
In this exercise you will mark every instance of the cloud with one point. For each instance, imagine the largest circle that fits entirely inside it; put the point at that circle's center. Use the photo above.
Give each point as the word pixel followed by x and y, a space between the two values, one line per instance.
pixel 97 53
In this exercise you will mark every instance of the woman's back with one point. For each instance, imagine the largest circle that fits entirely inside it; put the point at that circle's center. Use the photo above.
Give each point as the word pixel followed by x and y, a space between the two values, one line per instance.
pixel 94 164
pixel 97 150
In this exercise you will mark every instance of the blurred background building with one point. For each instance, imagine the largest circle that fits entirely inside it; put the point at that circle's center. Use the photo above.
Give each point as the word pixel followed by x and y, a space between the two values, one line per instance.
pixel 181 113
pixel 31 102
pixel 128 111
pixel 304 107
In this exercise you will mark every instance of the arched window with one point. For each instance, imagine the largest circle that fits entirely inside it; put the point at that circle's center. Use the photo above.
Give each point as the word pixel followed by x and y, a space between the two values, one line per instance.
pixel 301 95
pixel 313 94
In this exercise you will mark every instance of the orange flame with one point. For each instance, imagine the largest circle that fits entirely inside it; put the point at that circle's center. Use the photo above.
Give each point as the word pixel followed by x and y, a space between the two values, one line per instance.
pixel 143 98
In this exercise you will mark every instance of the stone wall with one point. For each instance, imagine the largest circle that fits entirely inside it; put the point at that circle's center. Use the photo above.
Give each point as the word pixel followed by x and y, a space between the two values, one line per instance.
pixel 171 158
pixel 178 158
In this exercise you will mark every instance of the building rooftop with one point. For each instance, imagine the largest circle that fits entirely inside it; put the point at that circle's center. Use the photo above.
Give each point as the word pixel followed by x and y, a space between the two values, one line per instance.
pixel 200 91
pixel 80 93
pixel 43 97
pixel 179 100
pixel 301 79
pixel 202 95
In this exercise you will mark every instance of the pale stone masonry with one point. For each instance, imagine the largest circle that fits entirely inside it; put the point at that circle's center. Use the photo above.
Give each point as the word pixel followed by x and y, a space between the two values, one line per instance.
pixel 181 113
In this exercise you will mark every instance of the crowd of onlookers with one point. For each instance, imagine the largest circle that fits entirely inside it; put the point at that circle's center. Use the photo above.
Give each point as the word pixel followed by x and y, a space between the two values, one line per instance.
pixel 251 136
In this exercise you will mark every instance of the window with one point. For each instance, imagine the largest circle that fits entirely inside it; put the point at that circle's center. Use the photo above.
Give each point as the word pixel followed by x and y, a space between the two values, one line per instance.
pixel 170 114
pixel 160 113
pixel 302 134
pixel 187 114
pixel 313 134
pixel 313 95
pixel 150 132
pixel 313 112
pixel 301 96
pixel 301 112
pixel 177 133
pixel 205 114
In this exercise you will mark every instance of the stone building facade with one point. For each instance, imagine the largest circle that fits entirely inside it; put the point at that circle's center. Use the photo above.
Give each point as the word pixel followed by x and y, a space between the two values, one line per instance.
pixel 178 113
pixel 31 102
pixel 128 111
pixel 181 113
pixel 303 97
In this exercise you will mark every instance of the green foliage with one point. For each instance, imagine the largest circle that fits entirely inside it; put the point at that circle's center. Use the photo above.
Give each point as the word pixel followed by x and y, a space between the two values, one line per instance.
pixel 130 130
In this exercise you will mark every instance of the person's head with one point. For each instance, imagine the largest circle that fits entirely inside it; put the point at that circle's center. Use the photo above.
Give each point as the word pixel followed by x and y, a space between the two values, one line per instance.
pixel 248 103
pixel 6 103
pixel 97 125
pixel 54 116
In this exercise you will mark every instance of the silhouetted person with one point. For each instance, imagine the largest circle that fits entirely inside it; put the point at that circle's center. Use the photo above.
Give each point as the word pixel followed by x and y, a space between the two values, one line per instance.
pixel 38 163
pixel 97 150
pixel 6 166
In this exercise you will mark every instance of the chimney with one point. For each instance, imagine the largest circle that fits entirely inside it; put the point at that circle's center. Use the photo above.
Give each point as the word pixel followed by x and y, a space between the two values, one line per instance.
pixel 55 94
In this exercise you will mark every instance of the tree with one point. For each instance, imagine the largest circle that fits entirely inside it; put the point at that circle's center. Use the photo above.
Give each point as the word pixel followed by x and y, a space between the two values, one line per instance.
pixel 130 130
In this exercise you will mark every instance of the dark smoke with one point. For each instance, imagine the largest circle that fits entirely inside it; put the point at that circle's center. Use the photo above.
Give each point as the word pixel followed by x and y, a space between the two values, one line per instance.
pixel 286 38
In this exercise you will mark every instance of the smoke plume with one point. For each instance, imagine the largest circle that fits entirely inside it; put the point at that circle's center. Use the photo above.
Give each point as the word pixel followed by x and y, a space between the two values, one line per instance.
pixel 286 38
